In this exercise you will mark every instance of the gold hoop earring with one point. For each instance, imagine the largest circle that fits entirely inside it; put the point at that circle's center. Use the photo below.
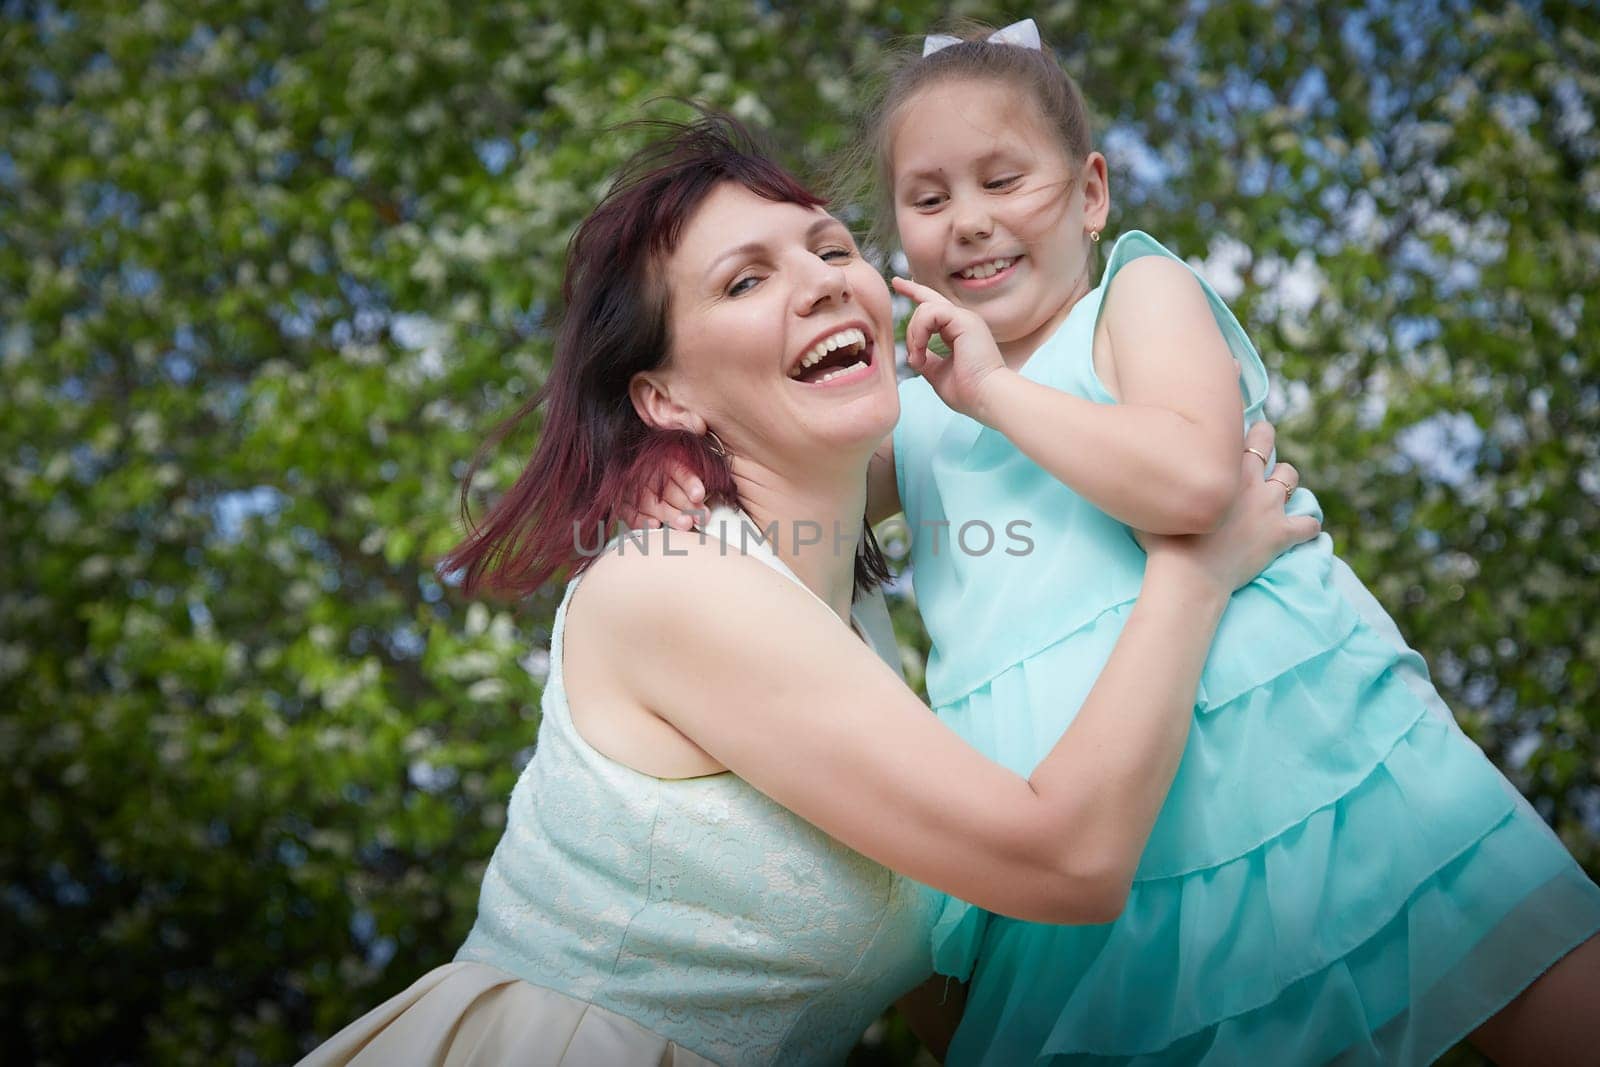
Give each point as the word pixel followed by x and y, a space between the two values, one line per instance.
pixel 1094 236
pixel 719 448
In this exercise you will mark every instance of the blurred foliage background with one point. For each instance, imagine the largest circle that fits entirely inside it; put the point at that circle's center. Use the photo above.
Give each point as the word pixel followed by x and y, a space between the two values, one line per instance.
pixel 270 271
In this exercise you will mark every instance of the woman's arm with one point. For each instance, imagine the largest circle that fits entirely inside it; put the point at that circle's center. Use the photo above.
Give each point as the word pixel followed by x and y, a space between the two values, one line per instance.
pixel 804 712
pixel 769 683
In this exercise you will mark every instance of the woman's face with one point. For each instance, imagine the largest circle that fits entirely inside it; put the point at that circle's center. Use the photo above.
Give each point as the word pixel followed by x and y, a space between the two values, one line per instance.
pixel 780 333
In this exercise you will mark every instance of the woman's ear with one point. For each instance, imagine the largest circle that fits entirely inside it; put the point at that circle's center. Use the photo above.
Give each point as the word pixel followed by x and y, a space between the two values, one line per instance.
pixel 652 399
pixel 1096 192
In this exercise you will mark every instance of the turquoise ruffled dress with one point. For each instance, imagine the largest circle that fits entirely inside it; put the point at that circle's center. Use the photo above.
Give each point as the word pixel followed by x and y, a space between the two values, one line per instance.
pixel 1338 874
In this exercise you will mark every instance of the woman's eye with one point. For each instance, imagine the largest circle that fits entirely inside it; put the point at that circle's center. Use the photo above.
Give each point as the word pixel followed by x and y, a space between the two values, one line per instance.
pixel 743 285
pixel 834 253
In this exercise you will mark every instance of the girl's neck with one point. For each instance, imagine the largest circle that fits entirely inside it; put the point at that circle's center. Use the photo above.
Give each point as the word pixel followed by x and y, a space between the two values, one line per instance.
pixel 814 527
pixel 1018 351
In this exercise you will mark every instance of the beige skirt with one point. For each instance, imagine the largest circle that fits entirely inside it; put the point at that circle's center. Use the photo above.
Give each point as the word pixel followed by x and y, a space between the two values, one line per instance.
pixel 472 1015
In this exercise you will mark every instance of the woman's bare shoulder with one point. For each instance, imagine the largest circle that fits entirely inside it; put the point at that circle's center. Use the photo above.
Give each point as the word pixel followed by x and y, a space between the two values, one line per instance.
pixel 648 575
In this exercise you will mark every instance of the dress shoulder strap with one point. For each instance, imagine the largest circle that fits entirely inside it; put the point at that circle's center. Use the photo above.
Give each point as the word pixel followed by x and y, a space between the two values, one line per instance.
pixel 1136 244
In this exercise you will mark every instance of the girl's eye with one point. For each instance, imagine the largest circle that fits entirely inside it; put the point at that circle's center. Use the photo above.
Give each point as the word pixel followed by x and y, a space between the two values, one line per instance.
pixel 930 201
pixel 1003 183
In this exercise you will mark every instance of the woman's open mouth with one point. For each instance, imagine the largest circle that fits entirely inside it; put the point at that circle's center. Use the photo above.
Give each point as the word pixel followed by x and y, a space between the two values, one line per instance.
pixel 841 357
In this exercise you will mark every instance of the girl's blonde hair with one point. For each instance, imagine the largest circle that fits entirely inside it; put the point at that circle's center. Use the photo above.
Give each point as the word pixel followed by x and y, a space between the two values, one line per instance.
pixel 864 176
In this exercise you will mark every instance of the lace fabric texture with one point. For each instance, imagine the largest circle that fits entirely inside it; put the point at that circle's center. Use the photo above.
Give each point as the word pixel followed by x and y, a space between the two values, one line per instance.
pixel 698 908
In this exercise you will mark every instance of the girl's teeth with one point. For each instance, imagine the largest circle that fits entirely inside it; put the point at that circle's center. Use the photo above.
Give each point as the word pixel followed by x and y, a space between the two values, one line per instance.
pixel 987 270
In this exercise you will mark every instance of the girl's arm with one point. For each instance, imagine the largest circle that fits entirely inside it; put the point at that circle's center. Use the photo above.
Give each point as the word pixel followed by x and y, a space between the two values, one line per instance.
pixel 1164 458
pixel 807 714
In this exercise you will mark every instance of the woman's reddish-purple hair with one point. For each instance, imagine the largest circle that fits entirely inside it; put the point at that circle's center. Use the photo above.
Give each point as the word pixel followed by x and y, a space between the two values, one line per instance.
pixel 594 452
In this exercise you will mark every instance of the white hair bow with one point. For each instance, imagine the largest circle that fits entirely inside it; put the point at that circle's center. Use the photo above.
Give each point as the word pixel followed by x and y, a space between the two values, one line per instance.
pixel 1024 34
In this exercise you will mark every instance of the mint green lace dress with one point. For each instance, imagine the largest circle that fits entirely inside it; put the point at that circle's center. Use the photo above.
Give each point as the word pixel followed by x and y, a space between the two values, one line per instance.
pixel 639 920
pixel 1338 872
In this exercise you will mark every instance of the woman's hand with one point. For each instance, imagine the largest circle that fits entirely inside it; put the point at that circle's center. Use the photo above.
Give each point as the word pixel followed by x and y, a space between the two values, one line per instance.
pixel 960 379
pixel 1255 531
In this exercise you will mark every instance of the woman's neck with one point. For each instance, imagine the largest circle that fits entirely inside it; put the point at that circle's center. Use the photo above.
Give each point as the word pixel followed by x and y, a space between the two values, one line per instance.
pixel 815 527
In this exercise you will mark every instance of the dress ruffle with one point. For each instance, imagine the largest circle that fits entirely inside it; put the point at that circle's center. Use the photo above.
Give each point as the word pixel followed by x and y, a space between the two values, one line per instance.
pixel 1400 995
pixel 1260 905
pixel 1255 765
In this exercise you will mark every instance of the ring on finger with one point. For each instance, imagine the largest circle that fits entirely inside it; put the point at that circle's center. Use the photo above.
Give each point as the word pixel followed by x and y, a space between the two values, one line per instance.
pixel 1288 490
pixel 1259 454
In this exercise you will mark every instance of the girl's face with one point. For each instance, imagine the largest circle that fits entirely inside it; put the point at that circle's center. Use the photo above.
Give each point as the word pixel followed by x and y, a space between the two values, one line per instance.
pixel 781 337
pixel 991 211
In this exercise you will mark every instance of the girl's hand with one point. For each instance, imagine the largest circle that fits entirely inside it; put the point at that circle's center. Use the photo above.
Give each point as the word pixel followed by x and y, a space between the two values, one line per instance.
pixel 1255 530
pixel 680 501
pixel 962 378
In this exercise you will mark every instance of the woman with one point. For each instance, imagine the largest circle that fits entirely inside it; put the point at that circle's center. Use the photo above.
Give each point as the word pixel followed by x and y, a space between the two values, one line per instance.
pixel 714 853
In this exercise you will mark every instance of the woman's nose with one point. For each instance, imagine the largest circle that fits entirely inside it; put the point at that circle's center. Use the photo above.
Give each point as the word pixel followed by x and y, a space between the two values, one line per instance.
pixel 821 284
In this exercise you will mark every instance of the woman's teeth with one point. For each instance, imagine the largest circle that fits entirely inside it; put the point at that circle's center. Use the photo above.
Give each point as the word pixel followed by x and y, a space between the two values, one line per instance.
pixel 821 349
pixel 987 270
pixel 836 372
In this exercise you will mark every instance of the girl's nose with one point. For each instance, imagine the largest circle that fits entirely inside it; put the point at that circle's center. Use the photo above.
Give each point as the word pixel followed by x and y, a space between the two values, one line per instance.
pixel 973 221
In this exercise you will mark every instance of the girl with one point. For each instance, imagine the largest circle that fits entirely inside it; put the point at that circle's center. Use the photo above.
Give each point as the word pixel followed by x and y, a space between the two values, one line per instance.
pixel 1337 873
